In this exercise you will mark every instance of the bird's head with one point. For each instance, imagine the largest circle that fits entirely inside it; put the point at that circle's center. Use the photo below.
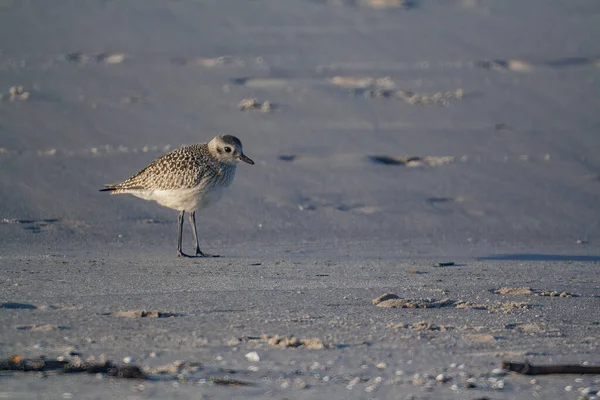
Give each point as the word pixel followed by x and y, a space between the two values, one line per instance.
pixel 228 150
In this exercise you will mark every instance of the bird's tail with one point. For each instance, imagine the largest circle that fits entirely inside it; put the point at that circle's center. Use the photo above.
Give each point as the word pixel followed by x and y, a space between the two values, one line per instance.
pixel 116 188
pixel 110 188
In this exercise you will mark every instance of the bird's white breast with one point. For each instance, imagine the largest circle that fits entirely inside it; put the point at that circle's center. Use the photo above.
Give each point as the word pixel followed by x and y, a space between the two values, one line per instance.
pixel 189 199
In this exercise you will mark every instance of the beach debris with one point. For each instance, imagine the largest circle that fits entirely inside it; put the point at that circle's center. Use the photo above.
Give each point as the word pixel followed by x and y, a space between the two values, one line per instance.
pixel 388 300
pixel 228 382
pixel 252 356
pixel 415 303
pixel 420 326
pixel 386 88
pixel 41 328
pixel 413 98
pixel 211 62
pixel 282 342
pixel 253 104
pixel 292 341
pixel 82 58
pixel 528 369
pixel 353 82
pixel 178 372
pixel 175 368
pixel 480 337
pixel 553 293
pixel 414 271
pixel 424 99
pixel 15 93
pixel 505 65
pixel 144 314
pixel 384 297
pixel 110 58
pixel 529 291
pixel 18 363
pixel 444 264
pixel 384 4
pixel 514 291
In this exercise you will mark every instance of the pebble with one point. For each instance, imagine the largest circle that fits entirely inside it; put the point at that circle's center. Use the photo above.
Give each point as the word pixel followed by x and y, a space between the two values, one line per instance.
pixel 471 383
pixel 352 383
pixel 253 368
pixel 498 385
pixel 498 372
pixel 587 390
pixel 39 346
pixel 300 384
pixel 381 365
pixel 128 360
pixel 253 356
pixel 442 378
pixel 568 388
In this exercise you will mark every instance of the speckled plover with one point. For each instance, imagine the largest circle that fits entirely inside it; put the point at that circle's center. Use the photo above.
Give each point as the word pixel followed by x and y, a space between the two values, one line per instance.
pixel 187 179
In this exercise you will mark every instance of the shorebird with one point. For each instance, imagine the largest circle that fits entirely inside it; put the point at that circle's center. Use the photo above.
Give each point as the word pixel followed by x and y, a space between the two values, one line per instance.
pixel 187 179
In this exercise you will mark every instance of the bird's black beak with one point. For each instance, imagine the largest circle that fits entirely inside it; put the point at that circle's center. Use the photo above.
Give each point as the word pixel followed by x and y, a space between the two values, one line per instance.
pixel 246 159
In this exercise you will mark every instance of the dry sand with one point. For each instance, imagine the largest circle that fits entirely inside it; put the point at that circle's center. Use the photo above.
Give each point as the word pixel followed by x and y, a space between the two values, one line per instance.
pixel 400 134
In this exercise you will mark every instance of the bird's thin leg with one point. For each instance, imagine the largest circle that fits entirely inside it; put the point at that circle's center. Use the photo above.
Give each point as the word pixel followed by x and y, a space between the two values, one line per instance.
pixel 195 232
pixel 180 234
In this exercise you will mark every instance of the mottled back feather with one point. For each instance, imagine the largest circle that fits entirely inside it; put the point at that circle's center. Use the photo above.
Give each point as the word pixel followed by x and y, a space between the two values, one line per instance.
pixel 182 168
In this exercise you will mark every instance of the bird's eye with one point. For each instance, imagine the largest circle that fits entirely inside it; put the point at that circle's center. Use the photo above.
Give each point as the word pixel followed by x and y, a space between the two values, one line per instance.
pixel 228 149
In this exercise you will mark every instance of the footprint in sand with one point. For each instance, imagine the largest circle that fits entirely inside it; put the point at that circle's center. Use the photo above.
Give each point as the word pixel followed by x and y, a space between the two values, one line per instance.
pixel 32 225
pixel 410 161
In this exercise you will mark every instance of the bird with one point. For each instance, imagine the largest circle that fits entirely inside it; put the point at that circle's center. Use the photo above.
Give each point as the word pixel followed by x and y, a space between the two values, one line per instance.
pixel 187 179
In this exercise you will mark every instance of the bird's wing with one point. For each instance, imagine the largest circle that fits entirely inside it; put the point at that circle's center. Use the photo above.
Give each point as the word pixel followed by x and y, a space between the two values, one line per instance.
pixel 178 169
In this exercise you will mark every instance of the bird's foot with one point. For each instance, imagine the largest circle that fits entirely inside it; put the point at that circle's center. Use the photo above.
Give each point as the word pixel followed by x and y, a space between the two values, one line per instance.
pixel 199 253
pixel 182 254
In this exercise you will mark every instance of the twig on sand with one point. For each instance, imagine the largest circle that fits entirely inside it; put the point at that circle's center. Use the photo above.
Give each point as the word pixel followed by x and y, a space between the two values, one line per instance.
pixel 16 363
pixel 229 382
pixel 528 369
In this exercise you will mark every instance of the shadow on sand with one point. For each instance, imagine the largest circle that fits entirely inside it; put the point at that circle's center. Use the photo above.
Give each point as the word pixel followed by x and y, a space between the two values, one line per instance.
pixel 540 257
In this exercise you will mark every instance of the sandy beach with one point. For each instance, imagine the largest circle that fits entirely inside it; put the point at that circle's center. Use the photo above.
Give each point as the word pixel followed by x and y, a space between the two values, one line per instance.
pixel 389 136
